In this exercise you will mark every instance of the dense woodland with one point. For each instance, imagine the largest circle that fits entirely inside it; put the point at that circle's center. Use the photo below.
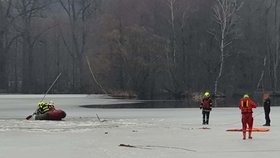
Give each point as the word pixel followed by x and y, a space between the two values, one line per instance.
pixel 149 48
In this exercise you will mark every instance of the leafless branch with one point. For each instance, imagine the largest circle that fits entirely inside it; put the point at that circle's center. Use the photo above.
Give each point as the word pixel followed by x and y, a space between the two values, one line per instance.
pixel 227 44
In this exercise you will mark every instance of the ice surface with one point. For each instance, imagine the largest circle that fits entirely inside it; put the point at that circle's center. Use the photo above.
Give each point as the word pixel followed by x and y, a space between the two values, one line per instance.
pixel 151 133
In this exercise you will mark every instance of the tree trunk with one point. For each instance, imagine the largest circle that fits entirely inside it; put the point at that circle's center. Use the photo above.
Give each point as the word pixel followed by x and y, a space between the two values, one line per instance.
pixel 172 21
pixel 221 65
pixel 3 75
pixel 276 60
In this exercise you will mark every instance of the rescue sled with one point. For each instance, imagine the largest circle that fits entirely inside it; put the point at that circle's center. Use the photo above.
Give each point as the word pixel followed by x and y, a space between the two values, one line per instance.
pixel 51 115
pixel 253 129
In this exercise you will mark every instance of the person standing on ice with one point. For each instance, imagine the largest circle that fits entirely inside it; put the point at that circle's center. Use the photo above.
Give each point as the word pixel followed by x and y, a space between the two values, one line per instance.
pixel 266 106
pixel 246 106
pixel 206 106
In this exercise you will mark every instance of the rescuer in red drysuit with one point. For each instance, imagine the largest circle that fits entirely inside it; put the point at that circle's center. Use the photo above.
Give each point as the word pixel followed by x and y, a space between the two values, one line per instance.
pixel 246 105
pixel 206 106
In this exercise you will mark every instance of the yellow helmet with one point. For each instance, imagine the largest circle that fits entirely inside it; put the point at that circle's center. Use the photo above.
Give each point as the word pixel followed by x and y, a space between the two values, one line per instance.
pixel 246 96
pixel 41 103
pixel 51 102
pixel 206 94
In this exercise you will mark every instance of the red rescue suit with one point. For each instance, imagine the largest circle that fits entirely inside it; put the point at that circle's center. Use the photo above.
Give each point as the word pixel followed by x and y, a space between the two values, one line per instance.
pixel 246 105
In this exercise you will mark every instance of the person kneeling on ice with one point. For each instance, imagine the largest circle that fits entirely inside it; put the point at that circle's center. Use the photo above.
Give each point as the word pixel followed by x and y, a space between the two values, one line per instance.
pixel 206 106
pixel 51 106
pixel 246 106
pixel 42 108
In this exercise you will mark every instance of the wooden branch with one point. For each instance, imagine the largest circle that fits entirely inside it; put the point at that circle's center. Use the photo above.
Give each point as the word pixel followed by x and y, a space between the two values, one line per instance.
pixel 93 76
pixel 228 43
pixel 217 14
pixel 8 44
pixel 262 74
pixel 213 34
pixel 34 8
pixel 83 9
pixel 40 34
pixel 9 8
pixel 67 10
pixel 65 43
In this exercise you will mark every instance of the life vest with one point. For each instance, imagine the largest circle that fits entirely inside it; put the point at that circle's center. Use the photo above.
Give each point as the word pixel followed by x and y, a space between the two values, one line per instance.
pixel 246 106
pixel 44 108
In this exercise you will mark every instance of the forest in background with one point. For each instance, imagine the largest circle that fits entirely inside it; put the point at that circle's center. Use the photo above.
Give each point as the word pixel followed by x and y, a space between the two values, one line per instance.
pixel 148 48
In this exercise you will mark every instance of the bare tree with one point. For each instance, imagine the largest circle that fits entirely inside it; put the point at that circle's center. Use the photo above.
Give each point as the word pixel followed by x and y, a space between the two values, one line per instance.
pixel 27 11
pixel 7 38
pixel 260 82
pixel 2 53
pixel 267 8
pixel 276 54
pixel 176 56
pixel 224 13
pixel 171 55
pixel 171 5
pixel 79 12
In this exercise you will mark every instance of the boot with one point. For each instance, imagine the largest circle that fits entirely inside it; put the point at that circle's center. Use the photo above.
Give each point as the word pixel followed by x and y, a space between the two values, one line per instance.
pixel 250 135
pixel 203 122
pixel 244 135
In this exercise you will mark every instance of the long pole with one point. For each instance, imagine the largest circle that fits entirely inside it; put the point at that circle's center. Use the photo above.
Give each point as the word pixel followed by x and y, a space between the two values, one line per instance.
pixel 51 86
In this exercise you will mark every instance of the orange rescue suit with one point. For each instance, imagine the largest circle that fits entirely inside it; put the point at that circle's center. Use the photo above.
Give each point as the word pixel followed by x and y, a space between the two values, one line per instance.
pixel 246 105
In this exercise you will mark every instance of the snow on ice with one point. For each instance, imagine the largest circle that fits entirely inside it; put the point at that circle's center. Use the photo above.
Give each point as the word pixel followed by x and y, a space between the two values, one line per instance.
pixel 129 133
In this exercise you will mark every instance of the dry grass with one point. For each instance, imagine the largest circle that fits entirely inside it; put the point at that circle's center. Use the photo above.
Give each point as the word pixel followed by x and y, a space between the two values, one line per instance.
pixel 197 96
pixel 123 94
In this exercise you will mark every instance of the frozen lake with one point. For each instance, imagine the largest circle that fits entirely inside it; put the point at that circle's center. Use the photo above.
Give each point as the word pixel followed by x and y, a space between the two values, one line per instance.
pixel 153 133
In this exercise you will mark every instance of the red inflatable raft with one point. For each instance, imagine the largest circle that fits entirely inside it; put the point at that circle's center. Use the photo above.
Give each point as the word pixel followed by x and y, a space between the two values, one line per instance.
pixel 51 115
